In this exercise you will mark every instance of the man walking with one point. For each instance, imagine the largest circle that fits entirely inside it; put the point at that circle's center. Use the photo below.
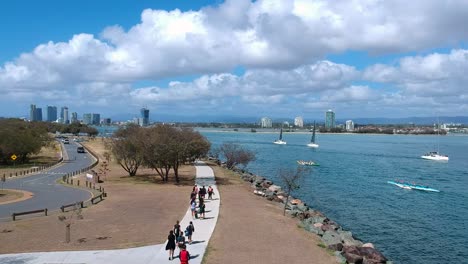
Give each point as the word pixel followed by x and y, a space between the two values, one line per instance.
pixel 184 255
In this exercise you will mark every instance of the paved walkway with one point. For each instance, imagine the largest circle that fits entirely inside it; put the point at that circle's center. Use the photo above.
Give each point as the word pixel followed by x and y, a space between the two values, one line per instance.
pixel 142 255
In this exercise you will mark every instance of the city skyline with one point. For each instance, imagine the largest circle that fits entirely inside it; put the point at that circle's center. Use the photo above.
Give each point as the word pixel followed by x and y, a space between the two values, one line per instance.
pixel 237 58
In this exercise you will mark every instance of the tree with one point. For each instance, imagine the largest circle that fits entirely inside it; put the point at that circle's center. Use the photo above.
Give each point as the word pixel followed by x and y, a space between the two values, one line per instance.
pixel 74 214
pixel 235 155
pixel 291 180
pixel 126 147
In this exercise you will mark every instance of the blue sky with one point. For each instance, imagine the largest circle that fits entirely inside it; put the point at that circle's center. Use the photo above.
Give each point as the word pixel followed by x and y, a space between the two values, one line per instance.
pixel 235 58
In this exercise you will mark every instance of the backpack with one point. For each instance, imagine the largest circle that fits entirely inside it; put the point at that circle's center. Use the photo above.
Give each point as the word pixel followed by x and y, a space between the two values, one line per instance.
pixel 184 256
pixel 187 231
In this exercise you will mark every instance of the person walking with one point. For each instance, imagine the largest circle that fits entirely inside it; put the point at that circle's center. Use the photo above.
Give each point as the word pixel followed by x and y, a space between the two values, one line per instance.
pixel 171 244
pixel 210 192
pixel 193 208
pixel 189 232
pixel 184 255
pixel 176 229
pixel 202 209
pixel 180 240
pixel 202 192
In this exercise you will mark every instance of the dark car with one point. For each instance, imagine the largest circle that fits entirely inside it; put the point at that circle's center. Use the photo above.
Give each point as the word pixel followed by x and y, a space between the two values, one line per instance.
pixel 80 150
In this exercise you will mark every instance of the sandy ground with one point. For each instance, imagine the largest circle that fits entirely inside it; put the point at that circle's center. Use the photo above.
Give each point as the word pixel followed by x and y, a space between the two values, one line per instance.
pixel 12 196
pixel 251 229
pixel 138 211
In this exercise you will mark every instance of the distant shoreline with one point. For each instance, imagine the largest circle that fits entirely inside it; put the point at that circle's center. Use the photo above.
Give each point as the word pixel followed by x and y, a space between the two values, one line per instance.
pixel 321 133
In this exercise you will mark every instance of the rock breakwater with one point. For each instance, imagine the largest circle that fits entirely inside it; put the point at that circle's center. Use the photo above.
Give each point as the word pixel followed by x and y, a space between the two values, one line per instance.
pixel 345 246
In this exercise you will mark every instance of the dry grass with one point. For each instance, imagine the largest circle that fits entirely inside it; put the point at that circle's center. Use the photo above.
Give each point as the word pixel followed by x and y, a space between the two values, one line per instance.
pixel 47 155
pixel 138 211
pixel 9 195
pixel 251 229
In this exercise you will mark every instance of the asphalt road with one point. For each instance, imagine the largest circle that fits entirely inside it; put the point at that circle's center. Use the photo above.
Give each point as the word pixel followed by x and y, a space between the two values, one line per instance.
pixel 47 193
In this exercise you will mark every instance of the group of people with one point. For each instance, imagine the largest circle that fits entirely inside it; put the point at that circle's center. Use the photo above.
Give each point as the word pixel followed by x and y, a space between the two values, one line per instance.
pixel 176 236
pixel 201 200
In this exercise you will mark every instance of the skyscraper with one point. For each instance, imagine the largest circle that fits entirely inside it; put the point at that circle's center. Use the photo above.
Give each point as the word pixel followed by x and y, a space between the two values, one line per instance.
pixel 64 115
pixel 266 122
pixel 32 112
pixel 298 121
pixel 144 117
pixel 51 113
pixel 74 117
pixel 349 125
pixel 329 119
pixel 87 119
pixel 38 114
pixel 95 119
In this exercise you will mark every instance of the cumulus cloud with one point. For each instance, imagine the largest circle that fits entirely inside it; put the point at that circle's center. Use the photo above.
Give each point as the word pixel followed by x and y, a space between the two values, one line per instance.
pixel 281 44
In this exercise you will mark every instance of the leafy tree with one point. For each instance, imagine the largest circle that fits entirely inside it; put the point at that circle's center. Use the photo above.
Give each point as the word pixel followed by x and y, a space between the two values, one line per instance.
pixel 126 147
pixel 235 155
pixel 291 179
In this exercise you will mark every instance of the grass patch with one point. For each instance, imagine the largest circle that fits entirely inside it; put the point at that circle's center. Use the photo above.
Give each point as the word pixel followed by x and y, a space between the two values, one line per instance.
pixel 322 245
pixel 208 251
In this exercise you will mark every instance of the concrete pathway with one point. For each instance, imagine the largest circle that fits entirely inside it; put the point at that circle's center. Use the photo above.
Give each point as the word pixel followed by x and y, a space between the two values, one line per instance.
pixel 154 254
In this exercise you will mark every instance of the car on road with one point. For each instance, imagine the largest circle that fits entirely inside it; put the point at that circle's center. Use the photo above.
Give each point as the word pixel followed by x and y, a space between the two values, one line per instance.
pixel 66 141
pixel 80 150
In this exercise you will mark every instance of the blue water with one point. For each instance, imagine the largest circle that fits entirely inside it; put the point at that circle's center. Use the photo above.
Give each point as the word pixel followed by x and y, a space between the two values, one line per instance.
pixel 350 187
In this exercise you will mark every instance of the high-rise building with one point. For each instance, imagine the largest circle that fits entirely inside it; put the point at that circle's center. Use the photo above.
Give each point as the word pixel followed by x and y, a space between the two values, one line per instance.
pixel 64 117
pixel 87 119
pixel 32 112
pixel 74 117
pixel 106 121
pixel 329 119
pixel 95 119
pixel 298 121
pixel 144 117
pixel 51 113
pixel 349 125
pixel 266 122
pixel 38 114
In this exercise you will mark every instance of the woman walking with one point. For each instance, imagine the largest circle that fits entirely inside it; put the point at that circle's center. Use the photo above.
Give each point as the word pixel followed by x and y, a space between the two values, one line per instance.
pixel 189 232
pixel 210 192
pixel 171 244
pixel 202 209
pixel 193 208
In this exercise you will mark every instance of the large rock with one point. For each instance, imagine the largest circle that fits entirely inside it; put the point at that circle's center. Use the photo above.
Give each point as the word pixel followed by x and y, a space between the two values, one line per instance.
pixel 302 207
pixel 259 179
pixel 266 184
pixel 296 201
pixel 331 238
pixel 370 245
pixel 335 247
pixel 372 255
pixel 348 239
pixel 353 258
pixel 259 193
pixel 318 219
pixel 274 188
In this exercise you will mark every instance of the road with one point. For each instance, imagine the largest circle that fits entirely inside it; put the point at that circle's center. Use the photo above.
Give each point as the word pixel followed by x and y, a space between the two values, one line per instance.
pixel 47 192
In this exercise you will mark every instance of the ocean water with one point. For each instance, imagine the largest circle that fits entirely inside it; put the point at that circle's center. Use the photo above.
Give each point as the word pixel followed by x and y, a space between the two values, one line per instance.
pixel 350 187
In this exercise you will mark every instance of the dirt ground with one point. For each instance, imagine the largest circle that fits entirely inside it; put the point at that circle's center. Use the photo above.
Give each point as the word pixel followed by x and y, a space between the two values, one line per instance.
pixel 138 211
pixel 251 229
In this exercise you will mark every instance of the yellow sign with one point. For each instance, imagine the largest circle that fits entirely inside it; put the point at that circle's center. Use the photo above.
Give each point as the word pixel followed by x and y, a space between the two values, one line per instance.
pixel 13 157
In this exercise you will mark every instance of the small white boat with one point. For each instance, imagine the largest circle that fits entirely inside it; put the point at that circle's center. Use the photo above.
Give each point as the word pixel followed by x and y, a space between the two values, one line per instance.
pixel 280 141
pixel 307 163
pixel 434 155
pixel 312 143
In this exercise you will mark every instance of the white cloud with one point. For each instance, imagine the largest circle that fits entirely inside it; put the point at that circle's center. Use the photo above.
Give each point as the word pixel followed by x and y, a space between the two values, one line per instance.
pixel 281 44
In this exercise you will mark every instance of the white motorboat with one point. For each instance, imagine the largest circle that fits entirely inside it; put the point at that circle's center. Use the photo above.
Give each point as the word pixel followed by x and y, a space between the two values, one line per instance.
pixel 434 155
pixel 280 141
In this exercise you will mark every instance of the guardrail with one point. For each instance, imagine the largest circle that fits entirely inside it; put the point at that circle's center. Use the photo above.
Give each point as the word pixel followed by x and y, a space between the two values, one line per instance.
pixel 14 215
pixel 70 205
pixel 96 198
